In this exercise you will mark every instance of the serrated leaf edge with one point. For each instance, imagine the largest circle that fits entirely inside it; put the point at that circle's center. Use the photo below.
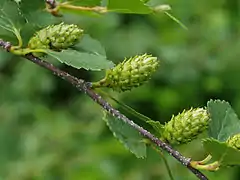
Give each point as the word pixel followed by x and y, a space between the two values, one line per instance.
pixel 224 153
pixel 115 135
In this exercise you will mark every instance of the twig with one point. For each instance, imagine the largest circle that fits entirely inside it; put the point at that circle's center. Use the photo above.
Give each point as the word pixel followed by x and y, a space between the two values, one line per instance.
pixel 165 161
pixel 97 9
pixel 53 7
pixel 85 87
pixel 51 3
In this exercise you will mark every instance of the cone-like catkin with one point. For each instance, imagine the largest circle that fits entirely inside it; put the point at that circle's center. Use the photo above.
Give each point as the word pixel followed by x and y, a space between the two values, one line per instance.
pixel 56 37
pixel 234 141
pixel 186 126
pixel 130 73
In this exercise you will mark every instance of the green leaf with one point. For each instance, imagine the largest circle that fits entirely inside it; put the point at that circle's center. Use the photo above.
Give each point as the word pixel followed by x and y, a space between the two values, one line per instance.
pixel 6 28
pixel 221 152
pixel 35 13
pixel 130 137
pixel 89 44
pixel 27 6
pixel 10 16
pixel 9 11
pixel 131 110
pixel 224 121
pixel 131 6
pixel 157 126
pixel 79 60
pixel 86 2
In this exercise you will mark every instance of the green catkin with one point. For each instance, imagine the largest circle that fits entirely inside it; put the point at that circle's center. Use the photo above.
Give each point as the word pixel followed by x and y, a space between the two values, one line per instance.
pixel 56 37
pixel 131 73
pixel 234 141
pixel 186 126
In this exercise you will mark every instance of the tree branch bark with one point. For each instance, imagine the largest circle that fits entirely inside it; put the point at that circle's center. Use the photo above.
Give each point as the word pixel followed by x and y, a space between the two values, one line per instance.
pixel 85 87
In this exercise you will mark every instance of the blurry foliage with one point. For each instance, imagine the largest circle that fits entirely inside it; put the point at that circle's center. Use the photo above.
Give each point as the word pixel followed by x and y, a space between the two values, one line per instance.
pixel 51 131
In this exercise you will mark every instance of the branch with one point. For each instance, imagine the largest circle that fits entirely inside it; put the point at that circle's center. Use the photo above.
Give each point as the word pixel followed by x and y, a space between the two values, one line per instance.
pixel 85 87
pixel 53 7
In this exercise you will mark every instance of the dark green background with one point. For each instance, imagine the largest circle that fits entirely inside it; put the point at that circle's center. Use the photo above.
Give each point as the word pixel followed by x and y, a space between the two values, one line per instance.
pixel 50 131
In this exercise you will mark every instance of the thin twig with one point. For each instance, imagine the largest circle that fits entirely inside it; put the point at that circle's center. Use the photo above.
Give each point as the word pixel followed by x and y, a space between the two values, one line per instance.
pixel 98 9
pixel 51 3
pixel 165 162
pixel 54 7
pixel 85 87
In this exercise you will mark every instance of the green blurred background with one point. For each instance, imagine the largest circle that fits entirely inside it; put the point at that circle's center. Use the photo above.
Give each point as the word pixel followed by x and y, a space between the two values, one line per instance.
pixel 50 131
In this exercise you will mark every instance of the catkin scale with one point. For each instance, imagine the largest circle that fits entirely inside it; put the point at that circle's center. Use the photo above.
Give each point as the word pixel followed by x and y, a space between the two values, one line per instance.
pixel 56 37
pixel 131 73
pixel 186 126
pixel 234 141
